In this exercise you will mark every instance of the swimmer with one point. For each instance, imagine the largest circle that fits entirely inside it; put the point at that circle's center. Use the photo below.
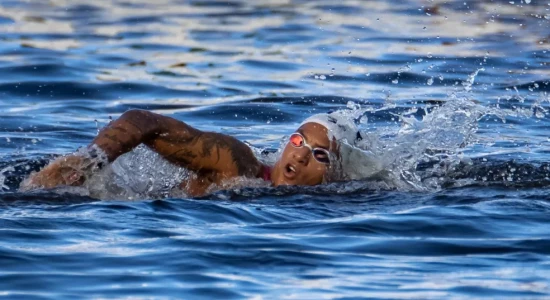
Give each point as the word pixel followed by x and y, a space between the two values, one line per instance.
pixel 314 153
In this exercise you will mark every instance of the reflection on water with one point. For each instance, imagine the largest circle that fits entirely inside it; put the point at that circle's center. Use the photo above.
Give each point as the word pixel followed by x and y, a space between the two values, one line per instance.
pixel 454 98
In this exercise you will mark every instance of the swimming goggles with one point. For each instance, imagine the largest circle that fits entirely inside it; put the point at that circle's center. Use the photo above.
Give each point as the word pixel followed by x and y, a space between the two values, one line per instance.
pixel 321 155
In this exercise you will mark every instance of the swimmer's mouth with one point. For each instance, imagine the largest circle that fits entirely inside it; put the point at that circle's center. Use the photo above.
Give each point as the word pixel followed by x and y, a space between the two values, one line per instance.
pixel 290 171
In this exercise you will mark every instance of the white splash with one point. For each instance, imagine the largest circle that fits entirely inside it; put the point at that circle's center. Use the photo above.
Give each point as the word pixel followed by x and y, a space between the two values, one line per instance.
pixel 139 174
pixel 392 153
pixel 3 185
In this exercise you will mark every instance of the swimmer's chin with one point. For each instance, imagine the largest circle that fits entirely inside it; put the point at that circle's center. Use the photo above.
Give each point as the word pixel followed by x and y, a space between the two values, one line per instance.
pixel 277 182
pixel 283 181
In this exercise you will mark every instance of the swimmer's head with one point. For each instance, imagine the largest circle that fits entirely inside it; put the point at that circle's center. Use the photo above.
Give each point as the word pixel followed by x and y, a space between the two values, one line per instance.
pixel 312 154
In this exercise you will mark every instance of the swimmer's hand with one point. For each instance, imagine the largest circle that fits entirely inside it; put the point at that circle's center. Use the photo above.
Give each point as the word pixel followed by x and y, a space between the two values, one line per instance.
pixel 68 170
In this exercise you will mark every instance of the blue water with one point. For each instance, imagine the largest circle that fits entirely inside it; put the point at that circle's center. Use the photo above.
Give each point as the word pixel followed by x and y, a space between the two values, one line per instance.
pixel 466 219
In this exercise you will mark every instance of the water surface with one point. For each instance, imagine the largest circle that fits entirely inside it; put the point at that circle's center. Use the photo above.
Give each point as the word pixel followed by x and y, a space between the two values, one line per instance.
pixel 453 95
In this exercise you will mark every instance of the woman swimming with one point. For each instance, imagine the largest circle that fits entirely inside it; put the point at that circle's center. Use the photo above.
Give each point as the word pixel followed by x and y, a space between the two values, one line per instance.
pixel 314 153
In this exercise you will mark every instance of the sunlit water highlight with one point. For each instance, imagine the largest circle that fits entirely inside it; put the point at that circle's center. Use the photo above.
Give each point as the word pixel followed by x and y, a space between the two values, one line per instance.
pixel 452 99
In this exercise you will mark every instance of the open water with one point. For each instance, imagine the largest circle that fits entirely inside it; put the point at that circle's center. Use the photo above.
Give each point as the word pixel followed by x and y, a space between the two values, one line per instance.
pixel 453 97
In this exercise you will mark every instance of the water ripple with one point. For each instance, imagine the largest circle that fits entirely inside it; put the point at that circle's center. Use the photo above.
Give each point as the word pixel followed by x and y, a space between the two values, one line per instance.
pixel 256 70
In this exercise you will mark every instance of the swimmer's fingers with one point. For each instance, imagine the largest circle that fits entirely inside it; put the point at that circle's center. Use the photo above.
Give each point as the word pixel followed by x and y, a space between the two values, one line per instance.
pixel 72 176
pixel 62 171
pixel 46 178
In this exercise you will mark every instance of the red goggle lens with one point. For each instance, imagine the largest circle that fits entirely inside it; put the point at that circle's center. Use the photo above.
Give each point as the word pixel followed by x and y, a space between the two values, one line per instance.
pixel 297 140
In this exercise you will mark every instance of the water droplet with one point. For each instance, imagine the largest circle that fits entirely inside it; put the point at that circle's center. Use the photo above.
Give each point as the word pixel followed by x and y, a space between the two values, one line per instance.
pixel 429 55
pixel 395 81
pixel 430 81
pixel 322 77
pixel 368 74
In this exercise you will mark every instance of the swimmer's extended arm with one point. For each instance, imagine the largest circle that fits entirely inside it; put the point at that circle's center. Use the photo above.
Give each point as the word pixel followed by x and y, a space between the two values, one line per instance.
pixel 179 143
pixel 213 156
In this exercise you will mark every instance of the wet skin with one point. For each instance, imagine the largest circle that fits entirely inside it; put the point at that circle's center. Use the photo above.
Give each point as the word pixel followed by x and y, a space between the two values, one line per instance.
pixel 214 157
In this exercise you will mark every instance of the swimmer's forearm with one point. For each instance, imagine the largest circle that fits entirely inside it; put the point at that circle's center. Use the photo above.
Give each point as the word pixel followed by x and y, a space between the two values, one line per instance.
pixel 179 143
pixel 135 127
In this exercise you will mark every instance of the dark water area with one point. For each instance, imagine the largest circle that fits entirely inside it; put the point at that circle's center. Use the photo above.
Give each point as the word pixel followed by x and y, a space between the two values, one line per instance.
pixel 454 97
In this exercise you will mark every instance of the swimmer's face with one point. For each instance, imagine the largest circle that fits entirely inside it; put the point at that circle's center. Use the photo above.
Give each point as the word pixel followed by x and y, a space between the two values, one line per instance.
pixel 298 164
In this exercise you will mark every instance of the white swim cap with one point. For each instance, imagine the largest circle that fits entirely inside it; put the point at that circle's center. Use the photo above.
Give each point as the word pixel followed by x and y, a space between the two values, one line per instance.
pixel 353 163
pixel 340 126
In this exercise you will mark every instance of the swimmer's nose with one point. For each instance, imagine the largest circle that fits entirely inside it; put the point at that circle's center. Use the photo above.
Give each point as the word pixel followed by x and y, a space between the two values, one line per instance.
pixel 301 155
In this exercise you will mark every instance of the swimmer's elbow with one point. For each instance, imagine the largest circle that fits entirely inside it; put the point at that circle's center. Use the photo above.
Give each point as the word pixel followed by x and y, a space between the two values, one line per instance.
pixel 146 122
pixel 139 116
